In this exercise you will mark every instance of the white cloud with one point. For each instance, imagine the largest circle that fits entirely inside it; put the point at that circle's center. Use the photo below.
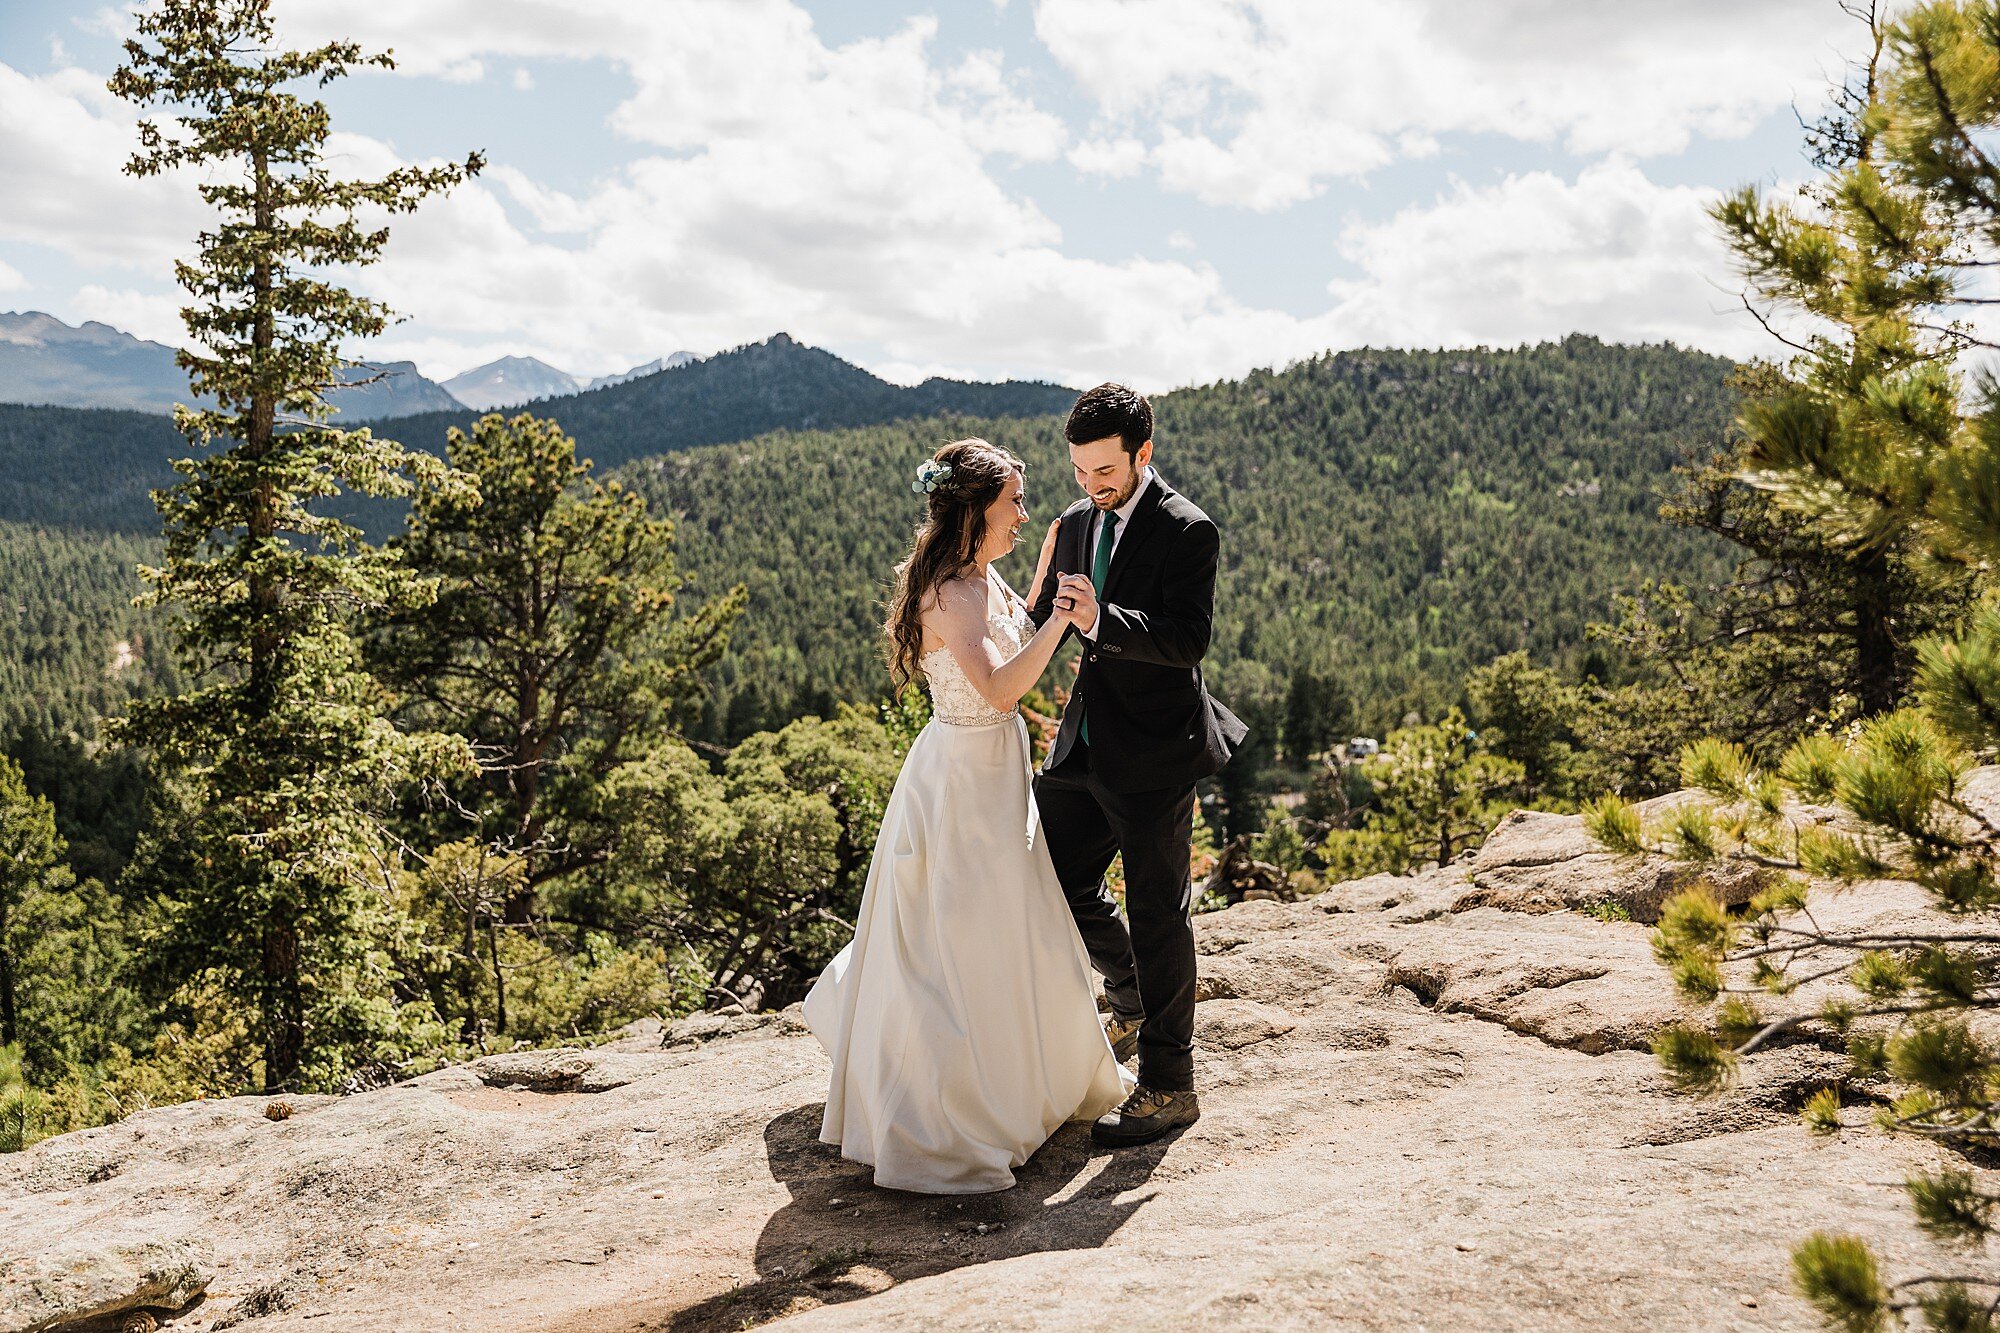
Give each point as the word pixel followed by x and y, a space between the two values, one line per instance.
pixel 524 79
pixel 852 196
pixel 1109 157
pixel 11 279
pixel 108 21
pixel 149 315
pixel 462 71
pixel 1259 103
pixel 61 162
pixel 1535 257
pixel 845 194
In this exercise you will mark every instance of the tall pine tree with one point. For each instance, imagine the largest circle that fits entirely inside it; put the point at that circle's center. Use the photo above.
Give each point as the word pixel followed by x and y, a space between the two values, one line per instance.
pixel 1874 441
pixel 553 643
pixel 281 731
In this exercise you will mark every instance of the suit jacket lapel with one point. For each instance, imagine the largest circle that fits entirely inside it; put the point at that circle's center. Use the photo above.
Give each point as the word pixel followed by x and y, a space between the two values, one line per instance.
pixel 1077 537
pixel 1145 518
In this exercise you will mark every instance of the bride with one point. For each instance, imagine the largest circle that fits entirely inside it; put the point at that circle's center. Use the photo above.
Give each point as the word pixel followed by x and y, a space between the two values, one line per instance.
pixel 960 1018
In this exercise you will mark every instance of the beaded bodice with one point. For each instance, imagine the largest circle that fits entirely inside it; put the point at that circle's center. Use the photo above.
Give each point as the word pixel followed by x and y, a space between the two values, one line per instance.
pixel 953 699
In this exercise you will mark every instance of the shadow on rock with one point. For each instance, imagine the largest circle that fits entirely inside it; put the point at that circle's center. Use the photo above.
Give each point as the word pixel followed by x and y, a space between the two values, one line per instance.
pixel 840 1238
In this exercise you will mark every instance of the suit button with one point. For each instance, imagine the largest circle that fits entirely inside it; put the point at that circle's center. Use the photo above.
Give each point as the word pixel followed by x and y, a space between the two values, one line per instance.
pixel 1093 657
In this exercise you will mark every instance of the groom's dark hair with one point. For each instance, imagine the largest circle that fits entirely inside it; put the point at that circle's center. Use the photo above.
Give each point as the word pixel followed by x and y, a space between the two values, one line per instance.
pixel 1107 410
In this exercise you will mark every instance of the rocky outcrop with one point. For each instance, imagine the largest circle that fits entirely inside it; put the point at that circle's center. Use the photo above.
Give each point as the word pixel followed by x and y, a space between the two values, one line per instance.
pixel 95 1279
pixel 1540 862
pixel 1427 1101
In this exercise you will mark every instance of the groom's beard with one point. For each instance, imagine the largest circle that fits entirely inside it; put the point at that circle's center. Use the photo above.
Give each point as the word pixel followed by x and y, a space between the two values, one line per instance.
pixel 1125 492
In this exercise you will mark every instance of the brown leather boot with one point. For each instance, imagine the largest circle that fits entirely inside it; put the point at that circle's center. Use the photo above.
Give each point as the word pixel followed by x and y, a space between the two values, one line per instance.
pixel 1146 1115
pixel 1123 1036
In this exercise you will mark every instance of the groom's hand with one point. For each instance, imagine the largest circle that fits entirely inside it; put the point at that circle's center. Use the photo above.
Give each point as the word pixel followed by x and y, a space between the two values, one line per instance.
pixel 1077 600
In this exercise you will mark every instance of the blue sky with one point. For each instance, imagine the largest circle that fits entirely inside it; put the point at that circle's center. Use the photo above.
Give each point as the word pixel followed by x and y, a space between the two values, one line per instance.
pixel 1168 191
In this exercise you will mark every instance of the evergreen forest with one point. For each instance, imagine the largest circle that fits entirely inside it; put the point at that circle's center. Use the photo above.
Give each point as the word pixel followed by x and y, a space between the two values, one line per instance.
pixel 1390 519
pixel 328 757
pixel 332 754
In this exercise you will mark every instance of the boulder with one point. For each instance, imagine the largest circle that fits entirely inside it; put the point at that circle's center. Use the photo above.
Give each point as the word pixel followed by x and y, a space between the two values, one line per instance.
pixel 1567 981
pixel 1534 861
pixel 698 1028
pixel 68 1284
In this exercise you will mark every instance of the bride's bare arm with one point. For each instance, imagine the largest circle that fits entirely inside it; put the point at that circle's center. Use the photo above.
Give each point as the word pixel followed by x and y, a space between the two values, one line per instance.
pixel 1043 562
pixel 1001 680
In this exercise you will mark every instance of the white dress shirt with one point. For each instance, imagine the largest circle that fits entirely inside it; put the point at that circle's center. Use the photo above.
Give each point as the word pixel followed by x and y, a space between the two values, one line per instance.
pixel 1124 513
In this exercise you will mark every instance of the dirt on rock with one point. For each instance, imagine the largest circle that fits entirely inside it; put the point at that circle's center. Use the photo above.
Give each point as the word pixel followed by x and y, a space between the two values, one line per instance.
pixel 1420 1110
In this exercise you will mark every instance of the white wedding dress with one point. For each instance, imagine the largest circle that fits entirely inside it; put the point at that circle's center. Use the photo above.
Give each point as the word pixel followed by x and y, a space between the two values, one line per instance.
pixel 961 1019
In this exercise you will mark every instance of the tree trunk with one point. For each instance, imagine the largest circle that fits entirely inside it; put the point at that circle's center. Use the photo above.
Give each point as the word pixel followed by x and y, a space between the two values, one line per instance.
pixel 468 983
pixel 284 1017
pixel 1874 633
pixel 10 1027
pixel 525 785
pixel 499 977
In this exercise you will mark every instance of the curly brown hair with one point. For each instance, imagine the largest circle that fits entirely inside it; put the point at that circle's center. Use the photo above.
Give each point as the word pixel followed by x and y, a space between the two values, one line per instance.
pixel 947 539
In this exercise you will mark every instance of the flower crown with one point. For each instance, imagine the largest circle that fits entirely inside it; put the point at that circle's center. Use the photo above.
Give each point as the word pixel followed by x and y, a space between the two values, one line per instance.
pixel 931 474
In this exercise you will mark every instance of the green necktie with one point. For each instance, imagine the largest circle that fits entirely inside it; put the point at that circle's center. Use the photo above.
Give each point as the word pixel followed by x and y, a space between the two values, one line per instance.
pixel 1099 569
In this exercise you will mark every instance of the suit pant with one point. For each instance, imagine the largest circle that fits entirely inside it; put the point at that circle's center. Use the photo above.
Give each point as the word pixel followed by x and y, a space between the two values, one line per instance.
pixel 1148 965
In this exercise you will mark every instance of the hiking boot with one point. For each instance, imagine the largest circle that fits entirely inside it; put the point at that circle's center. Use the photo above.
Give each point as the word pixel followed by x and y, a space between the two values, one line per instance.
pixel 1123 1034
pixel 1146 1115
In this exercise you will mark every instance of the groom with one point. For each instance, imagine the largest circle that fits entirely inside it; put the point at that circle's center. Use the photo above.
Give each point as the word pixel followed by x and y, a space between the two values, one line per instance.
pixel 1139 561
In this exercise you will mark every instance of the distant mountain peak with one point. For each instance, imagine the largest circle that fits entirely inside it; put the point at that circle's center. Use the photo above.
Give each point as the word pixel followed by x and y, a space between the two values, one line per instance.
pixel 35 328
pixel 653 367
pixel 510 382
pixel 43 360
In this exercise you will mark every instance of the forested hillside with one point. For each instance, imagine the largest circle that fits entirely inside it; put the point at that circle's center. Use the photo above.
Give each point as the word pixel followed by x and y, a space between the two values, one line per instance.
pixel 94 467
pixel 72 646
pixel 82 467
pixel 777 384
pixel 1391 517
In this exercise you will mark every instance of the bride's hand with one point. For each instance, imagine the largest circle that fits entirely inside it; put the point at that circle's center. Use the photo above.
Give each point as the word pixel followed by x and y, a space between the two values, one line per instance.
pixel 1043 561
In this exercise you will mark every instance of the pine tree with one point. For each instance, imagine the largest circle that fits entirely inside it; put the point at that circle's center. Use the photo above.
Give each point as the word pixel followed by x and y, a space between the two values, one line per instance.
pixel 32 873
pixel 1524 714
pixel 1809 631
pixel 1434 792
pixel 1318 713
pixel 553 643
pixel 281 730
pixel 1825 619
pixel 1872 439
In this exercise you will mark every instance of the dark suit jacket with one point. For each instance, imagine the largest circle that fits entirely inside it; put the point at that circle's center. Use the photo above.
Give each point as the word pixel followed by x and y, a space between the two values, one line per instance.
pixel 1153 723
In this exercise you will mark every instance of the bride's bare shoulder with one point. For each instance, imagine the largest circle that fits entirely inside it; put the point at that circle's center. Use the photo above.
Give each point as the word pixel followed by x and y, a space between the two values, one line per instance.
pixel 960 600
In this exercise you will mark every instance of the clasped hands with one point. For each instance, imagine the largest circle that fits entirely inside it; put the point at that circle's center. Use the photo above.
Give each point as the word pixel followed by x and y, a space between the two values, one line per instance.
pixel 1076 601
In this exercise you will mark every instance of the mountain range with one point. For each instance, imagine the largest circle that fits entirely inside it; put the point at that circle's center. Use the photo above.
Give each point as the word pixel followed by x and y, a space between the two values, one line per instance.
pixel 45 361
pixel 514 380
pixel 96 467
pixel 777 384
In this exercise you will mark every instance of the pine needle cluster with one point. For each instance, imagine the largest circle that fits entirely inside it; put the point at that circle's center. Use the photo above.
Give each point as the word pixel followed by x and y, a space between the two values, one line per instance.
pixel 1873 434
